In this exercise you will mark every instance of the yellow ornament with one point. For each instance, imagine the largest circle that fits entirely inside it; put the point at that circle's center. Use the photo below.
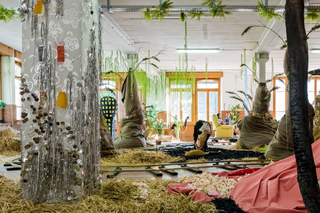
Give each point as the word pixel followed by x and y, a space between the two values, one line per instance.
pixel 62 100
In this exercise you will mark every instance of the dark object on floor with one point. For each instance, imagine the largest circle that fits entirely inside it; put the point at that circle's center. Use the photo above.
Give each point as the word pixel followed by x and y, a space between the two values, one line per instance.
pixel 215 153
pixel 226 205
pixel 197 132
pixel 14 164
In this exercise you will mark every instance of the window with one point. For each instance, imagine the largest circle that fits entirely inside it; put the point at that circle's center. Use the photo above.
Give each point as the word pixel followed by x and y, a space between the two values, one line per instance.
pixel 17 82
pixel 181 102
pixel 280 96
pixel 208 95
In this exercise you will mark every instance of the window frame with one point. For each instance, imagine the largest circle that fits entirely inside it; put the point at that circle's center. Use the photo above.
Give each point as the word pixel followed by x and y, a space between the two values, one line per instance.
pixel 208 96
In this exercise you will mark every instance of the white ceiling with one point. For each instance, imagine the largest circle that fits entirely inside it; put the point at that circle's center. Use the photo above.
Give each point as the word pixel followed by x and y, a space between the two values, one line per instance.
pixel 169 33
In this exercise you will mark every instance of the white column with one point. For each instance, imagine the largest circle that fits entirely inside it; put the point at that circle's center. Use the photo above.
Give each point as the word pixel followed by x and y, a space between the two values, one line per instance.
pixel 262 59
pixel 7 76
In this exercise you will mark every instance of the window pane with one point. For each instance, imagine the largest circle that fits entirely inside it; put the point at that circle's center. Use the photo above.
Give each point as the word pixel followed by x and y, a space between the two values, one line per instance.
pixel 186 105
pixel 181 86
pixel 202 106
pixel 279 115
pixel 175 104
pixel 281 83
pixel 280 101
pixel 213 104
pixel 318 86
pixel 108 85
pixel 209 84
pixel 311 90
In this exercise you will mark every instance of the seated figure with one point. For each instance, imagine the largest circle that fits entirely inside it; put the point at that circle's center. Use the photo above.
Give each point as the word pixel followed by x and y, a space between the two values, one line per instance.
pixel 258 128
pixel 222 131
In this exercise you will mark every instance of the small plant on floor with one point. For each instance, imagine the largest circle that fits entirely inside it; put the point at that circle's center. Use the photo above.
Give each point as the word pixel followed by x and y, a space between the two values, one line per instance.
pixel 158 126
pixel 150 114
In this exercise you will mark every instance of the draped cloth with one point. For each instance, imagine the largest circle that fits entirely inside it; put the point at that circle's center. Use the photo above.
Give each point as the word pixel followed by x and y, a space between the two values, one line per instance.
pixel 258 128
pixel 107 147
pixel 273 189
pixel 281 145
pixel 131 133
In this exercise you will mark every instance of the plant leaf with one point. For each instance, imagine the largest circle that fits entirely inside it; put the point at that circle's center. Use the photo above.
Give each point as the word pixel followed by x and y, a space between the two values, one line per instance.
pixel 267 13
pixel 183 16
pixel 246 30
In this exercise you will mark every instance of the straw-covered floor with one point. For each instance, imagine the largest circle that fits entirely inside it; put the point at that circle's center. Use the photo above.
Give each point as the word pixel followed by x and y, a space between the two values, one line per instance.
pixel 114 196
pixel 9 141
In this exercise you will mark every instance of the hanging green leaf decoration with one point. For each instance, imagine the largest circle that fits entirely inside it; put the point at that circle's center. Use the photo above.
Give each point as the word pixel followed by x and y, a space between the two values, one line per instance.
pixel 147 15
pixel 7 15
pixel 183 16
pixel 216 8
pixel 161 10
pixel 196 14
pixel 246 30
pixel 313 15
pixel 267 13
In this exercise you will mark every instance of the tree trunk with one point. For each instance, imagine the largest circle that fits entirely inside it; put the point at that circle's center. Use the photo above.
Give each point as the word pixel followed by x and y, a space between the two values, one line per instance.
pixel 298 63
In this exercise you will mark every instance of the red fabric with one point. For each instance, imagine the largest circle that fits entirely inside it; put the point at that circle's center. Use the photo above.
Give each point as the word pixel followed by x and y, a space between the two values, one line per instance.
pixel 177 188
pixel 273 189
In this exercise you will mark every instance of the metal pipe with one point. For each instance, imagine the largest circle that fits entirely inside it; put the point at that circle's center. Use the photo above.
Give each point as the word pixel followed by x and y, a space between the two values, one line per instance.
pixel 188 8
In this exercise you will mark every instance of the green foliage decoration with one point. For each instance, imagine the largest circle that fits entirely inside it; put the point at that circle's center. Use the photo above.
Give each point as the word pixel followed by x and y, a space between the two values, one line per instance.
pixel 235 114
pixel 2 104
pixel 158 12
pixel 7 15
pixel 313 15
pixel 216 8
pixel 183 17
pixel 158 126
pixel 267 13
pixel 196 14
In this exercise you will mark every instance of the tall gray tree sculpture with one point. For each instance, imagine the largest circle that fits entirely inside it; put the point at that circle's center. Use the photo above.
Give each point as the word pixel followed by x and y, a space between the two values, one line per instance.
pixel 298 54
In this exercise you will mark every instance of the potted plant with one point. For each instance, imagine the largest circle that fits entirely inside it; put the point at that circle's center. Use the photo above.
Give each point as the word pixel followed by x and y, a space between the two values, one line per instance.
pixel 158 126
pixel 2 106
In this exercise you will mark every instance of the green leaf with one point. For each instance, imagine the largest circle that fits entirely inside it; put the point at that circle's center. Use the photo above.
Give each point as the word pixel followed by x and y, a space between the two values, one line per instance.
pixel 283 46
pixel 195 14
pixel 7 15
pixel 246 30
pixel 155 58
pixel 267 13
pixel 274 88
pixel 154 65
pixel 183 16
pixel 147 14
pixel 313 15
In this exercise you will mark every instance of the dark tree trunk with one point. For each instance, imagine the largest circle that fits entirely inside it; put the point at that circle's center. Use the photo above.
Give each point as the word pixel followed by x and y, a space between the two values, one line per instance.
pixel 298 54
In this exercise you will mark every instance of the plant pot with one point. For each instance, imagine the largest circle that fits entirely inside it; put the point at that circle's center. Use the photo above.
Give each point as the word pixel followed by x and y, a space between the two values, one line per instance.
pixel 1 116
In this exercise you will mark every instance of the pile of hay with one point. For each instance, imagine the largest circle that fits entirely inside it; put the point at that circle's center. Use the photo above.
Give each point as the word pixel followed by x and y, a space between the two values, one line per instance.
pixel 132 157
pixel 114 196
pixel 9 141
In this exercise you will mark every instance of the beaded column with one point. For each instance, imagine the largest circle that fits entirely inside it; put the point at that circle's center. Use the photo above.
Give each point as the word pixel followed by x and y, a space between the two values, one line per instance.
pixel 59 92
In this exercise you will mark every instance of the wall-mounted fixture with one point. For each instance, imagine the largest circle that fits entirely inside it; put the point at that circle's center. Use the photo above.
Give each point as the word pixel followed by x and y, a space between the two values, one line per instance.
pixel 315 50
pixel 198 50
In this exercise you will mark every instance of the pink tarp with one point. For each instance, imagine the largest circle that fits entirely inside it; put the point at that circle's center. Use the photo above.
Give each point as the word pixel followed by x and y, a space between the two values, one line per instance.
pixel 273 189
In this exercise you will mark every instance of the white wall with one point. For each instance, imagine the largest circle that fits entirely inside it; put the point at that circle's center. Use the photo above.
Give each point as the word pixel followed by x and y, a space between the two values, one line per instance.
pixel 232 81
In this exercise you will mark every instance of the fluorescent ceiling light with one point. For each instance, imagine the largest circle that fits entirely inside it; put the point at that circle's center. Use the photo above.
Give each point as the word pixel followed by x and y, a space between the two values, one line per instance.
pixel 198 50
pixel 315 50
